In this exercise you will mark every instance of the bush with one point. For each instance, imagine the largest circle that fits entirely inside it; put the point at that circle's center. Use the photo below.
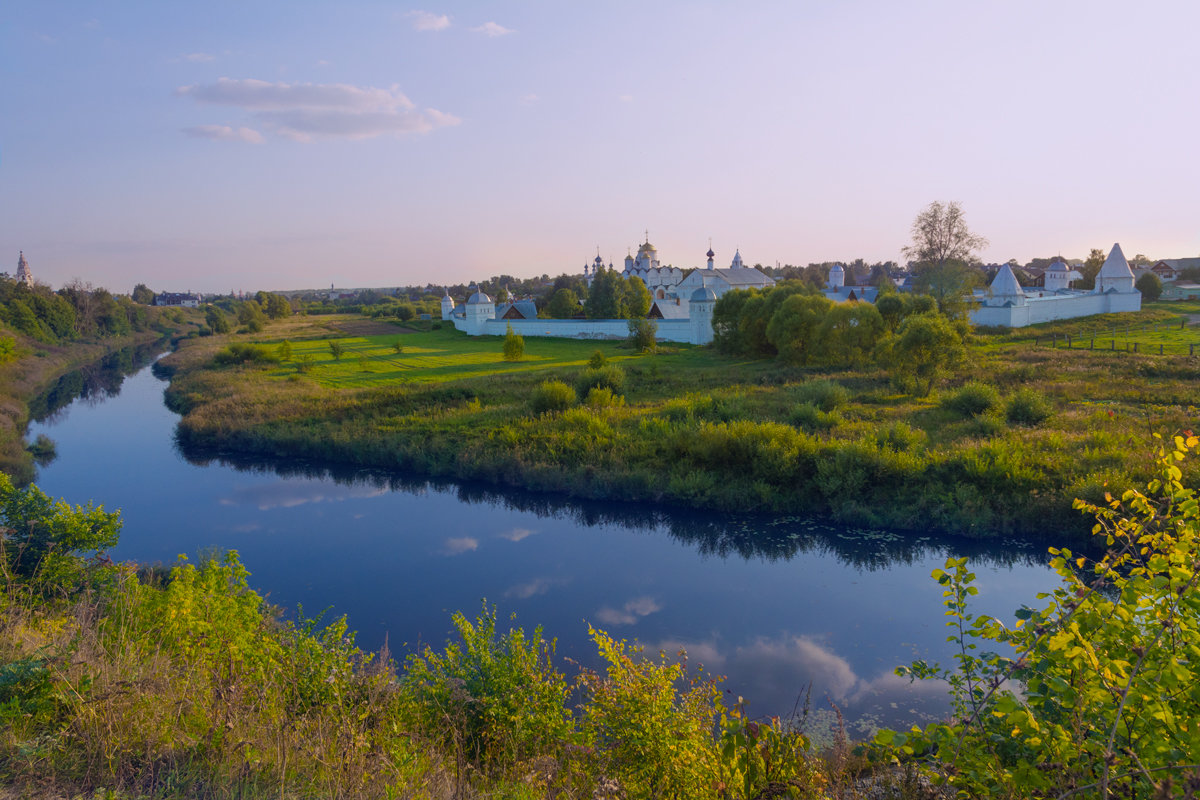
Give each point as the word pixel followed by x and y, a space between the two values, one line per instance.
pixel 496 699
pixel 811 418
pixel 899 437
pixel 972 399
pixel 598 360
pixel 826 395
pixel 552 396
pixel 643 334
pixel 336 349
pixel 609 377
pixel 1027 407
pixel 602 397
pixel 241 353
pixel 514 345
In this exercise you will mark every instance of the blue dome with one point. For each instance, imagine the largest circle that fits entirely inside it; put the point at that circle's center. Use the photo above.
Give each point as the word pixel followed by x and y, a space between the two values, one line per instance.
pixel 479 297
pixel 702 294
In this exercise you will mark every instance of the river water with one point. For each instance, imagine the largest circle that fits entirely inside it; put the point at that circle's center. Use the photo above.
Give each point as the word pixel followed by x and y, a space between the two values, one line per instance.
pixel 784 608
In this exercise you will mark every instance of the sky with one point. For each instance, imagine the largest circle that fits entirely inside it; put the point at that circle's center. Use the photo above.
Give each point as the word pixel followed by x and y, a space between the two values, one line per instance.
pixel 225 146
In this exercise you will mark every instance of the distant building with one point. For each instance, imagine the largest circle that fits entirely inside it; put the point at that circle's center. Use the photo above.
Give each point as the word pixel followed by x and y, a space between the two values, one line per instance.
pixel 837 290
pixel 1004 303
pixel 185 299
pixel 1169 269
pixel 24 274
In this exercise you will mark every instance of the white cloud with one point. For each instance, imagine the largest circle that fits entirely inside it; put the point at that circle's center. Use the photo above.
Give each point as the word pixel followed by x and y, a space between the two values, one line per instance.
pixel 536 586
pixel 305 111
pixel 458 546
pixel 632 611
pixel 198 57
pixel 428 21
pixel 517 534
pixel 225 133
pixel 493 29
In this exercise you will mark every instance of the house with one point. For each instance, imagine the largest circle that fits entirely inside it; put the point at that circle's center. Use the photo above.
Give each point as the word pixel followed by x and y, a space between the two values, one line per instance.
pixel 185 299
pixel 1169 269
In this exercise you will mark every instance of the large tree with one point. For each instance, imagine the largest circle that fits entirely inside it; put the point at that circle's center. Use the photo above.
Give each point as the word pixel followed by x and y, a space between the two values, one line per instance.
pixel 940 235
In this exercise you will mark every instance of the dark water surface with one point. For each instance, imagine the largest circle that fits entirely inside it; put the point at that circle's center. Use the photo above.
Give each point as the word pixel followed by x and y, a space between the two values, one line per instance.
pixel 774 604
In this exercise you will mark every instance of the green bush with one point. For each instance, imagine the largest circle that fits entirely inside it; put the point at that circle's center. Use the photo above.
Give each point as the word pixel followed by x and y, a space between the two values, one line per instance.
pixel 825 394
pixel 811 418
pixel 242 353
pixel 494 699
pixel 1027 407
pixel 610 377
pixel 602 397
pixel 552 396
pixel 598 360
pixel 899 437
pixel 514 345
pixel 972 399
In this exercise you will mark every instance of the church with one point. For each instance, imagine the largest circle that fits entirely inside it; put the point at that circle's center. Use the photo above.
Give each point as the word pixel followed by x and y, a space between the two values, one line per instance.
pixel 24 274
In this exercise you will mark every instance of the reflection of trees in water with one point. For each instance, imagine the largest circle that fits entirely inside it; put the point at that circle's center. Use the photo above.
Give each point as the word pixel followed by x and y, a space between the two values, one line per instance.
pixel 748 536
pixel 93 383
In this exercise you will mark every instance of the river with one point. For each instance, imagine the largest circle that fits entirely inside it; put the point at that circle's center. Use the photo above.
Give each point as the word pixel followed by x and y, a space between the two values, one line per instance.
pixel 779 606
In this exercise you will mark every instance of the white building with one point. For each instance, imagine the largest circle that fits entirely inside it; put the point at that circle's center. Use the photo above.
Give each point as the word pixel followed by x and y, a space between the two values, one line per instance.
pixel 24 274
pixel 1006 304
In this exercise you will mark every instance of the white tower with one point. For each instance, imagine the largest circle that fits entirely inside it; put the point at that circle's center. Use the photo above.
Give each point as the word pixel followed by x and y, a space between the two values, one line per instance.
pixel 480 309
pixel 24 275
pixel 447 305
pixel 710 255
pixel 700 314
pixel 1115 275
pixel 737 260
pixel 837 277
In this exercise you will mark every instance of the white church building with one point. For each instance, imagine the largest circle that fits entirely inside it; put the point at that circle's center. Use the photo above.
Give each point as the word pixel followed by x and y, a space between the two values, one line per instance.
pixel 1006 303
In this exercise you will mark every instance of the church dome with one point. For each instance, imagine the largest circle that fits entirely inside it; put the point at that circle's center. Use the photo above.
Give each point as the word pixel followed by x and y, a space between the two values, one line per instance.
pixel 702 294
pixel 710 253
pixel 837 268
pixel 479 297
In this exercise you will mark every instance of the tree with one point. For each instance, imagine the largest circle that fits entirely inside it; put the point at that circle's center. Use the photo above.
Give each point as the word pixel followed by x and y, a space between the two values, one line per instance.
pixel 564 304
pixel 925 346
pixel 848 334
pixel 604 297
pixel 142 294
pixel 949 283
pixel 643 334
pixel 1150 286
pixel 635 299
pixel 337 349
pixel 792 328
pixel 1091 268
pixel 514 345
pixel 277 306
pixel 216 319
pixel 940 235
pixel 284 350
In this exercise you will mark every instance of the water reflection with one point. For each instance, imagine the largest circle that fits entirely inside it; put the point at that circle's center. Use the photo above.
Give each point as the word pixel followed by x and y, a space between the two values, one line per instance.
pixel 93 383
pixel 723 535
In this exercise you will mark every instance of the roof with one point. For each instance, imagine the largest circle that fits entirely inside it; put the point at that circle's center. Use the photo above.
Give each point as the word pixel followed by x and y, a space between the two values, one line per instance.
pixel 1180 263
pixel 1005 284
pixel 665 309
pixel 478 297
pixel 1115 266
pixel 745 276
pixel 701 294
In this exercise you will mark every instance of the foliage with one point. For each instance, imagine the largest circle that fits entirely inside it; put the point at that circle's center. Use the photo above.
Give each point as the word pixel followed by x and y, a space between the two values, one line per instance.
pixel 552 396
pixel 1150 285
pixel 652 720
pixel 336 349
pixel 643 334
pixel 602 397
pixel 245 353
pixel 514 345
pixel 564 304
pixel 1093 694
pixel 764 759
pixel 848 334
pixel 496 699
pixel 972 399
pixel 925 347
pixel 142 294
pixel 1027 407
pixel 950 284
pixel 610 377
pixel 47 539
pixel 398 346
pixel 940 235
pixel 284 350
pixel 597 359
pixel 823 393
pixel 216 319
pixel 8 348
pixel 792 330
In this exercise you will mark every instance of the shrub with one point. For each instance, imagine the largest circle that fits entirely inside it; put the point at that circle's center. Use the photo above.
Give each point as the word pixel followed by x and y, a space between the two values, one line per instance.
pixel 337 349
pixel 514 345
pixel 610 377
pixel 284 350
pixel 643 334
pixel 602 397
pixel 398 346
pixel 242 353
pixel 899 437
pixel 826 395
pixel 811 418
pixel 495 698
pixel 1027 407
pixel 8 346
pixel 598 360
pixel 972 399
pixel 552 396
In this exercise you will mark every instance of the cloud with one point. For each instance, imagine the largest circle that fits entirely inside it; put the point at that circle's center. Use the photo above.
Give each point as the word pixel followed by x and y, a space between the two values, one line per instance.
pixel 198 57
pixel 517 534
pixel 289 494
pixel 537 586
pixel 224 133
pixel 631 612
pixel 428 21
pixel 458 546
pixel 492 29
pixel 304 111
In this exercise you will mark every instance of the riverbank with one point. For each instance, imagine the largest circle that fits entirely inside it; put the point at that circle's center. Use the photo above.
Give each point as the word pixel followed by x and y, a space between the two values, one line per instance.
pixel 35 366
pixel 689 426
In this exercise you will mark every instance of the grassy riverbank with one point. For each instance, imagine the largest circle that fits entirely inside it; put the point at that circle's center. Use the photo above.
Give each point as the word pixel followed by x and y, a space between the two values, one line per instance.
pixel 35 366
pixel 690 426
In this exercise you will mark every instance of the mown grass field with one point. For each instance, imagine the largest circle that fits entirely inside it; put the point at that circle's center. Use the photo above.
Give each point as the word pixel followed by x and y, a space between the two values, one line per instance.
pixel 689 425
